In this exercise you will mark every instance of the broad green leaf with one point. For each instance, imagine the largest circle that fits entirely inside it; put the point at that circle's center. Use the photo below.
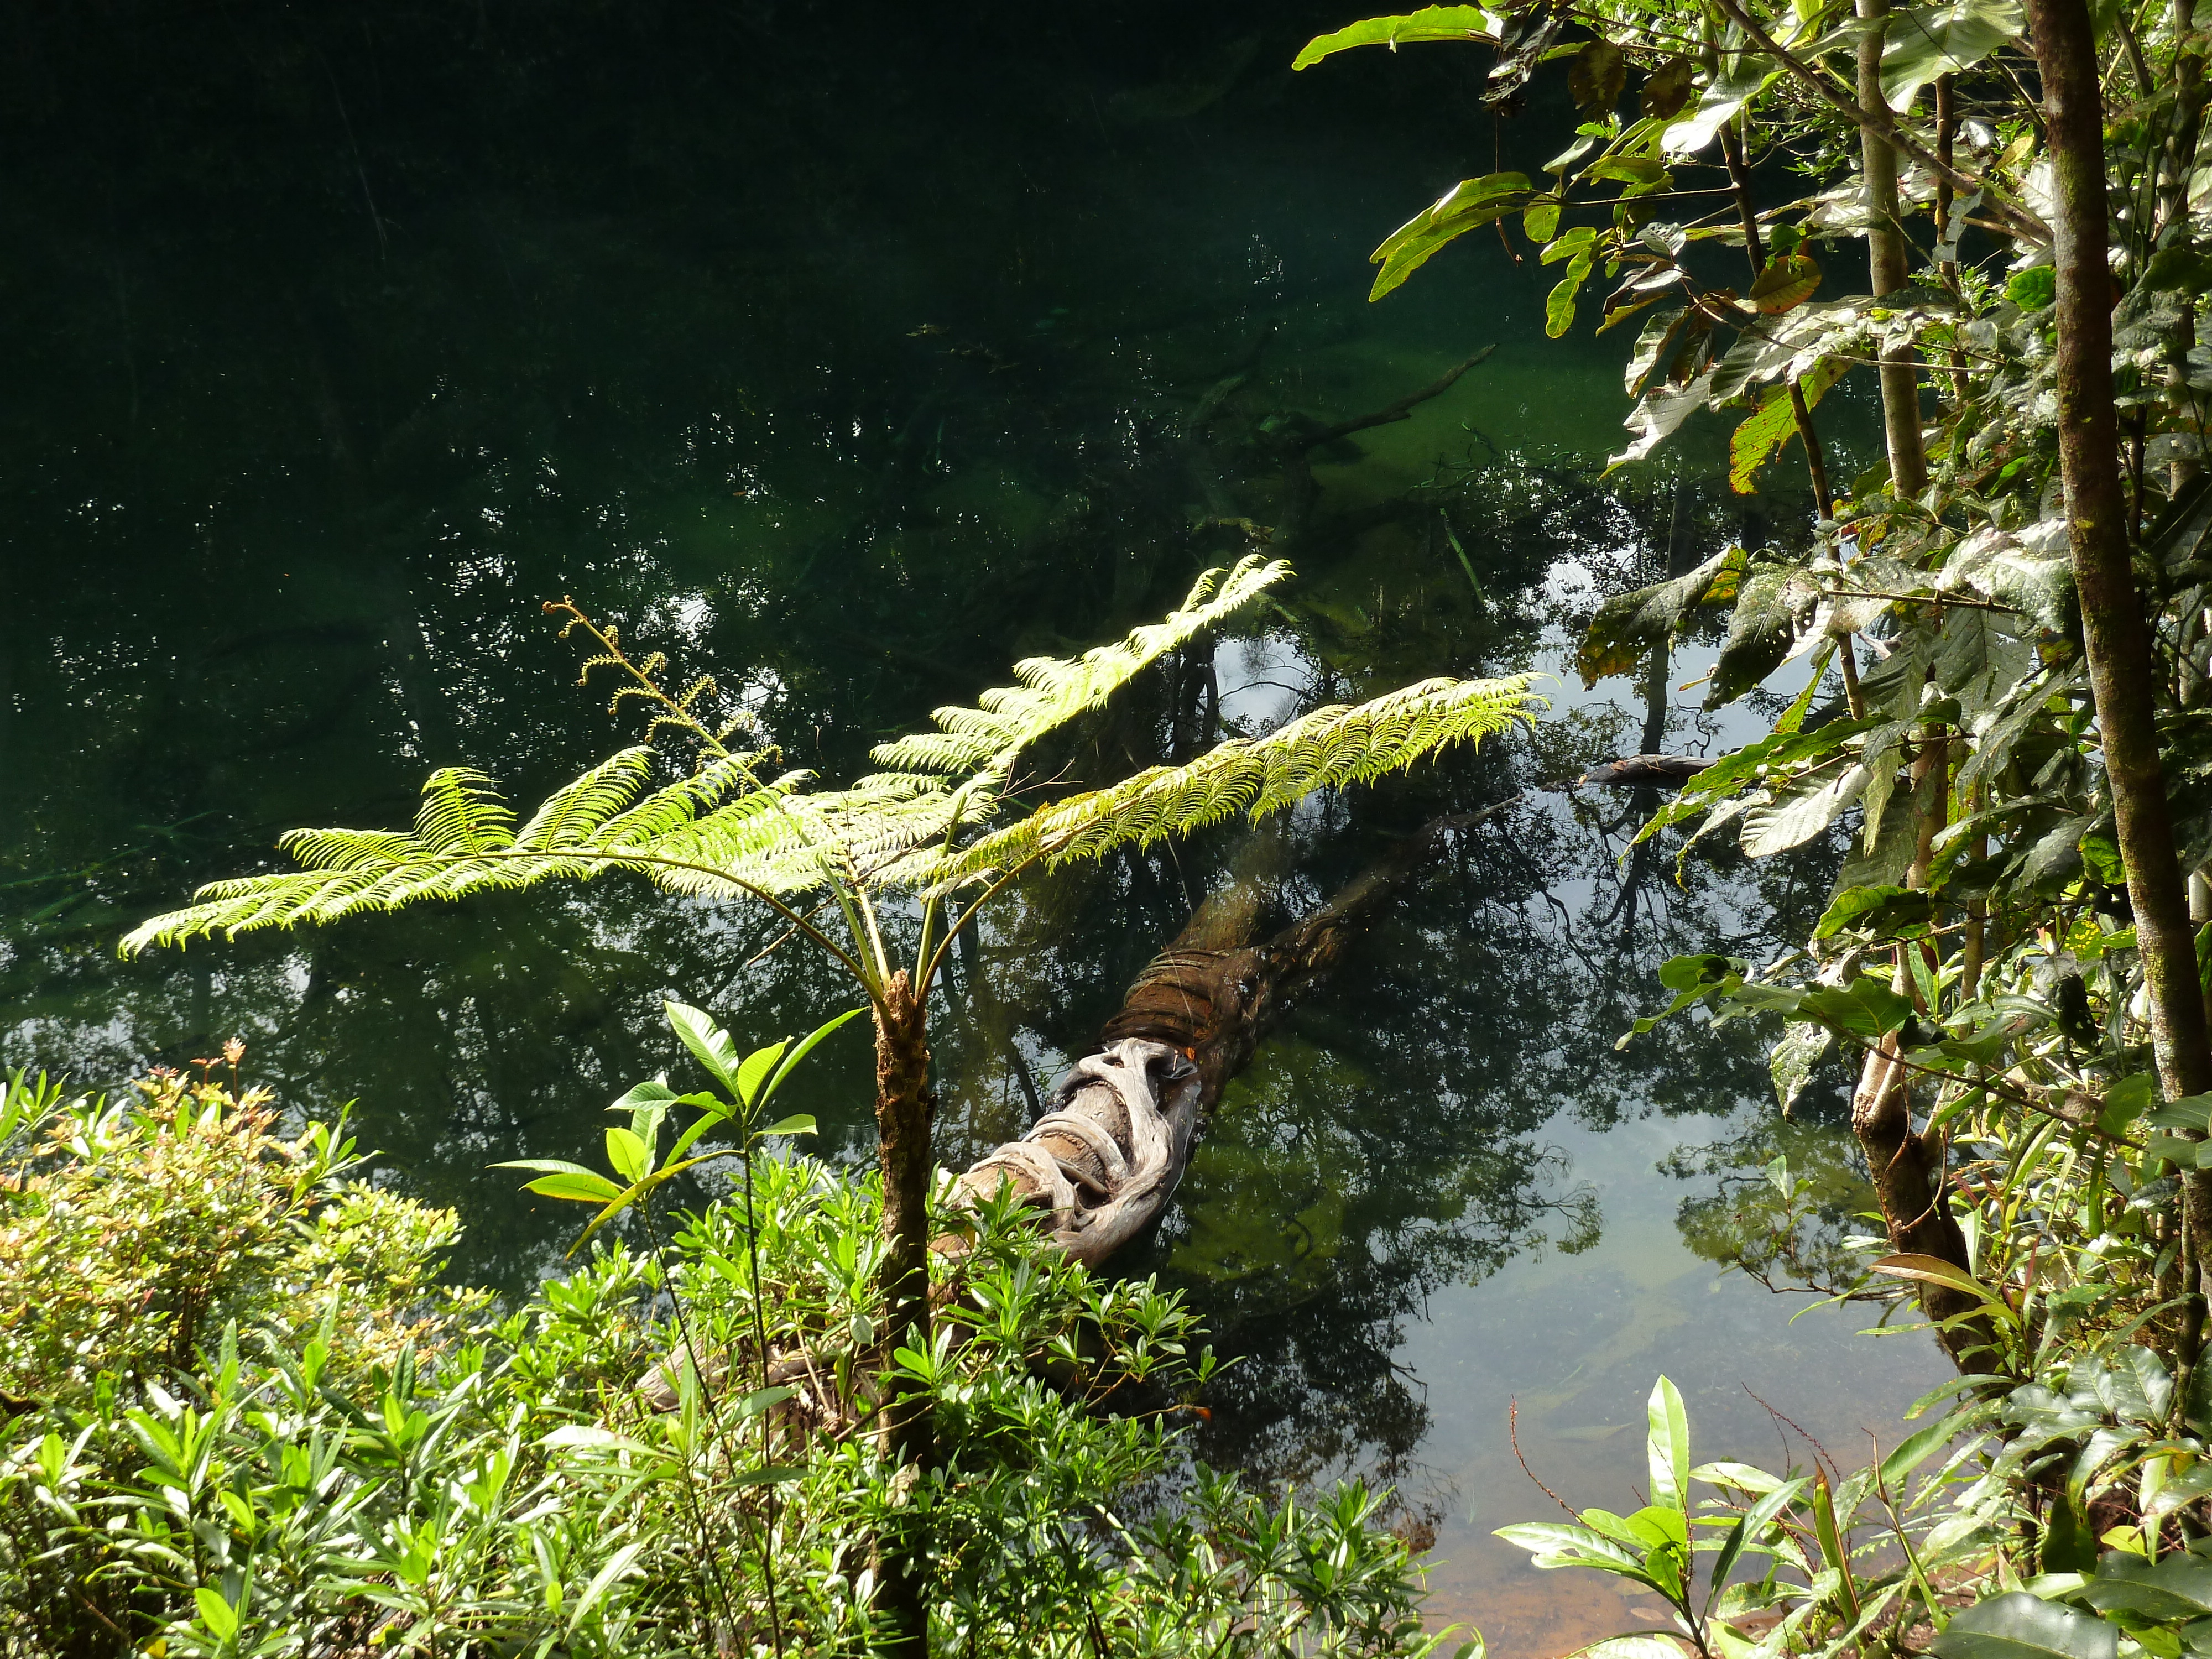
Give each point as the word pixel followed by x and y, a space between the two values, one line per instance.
pixel 1884 908
pixel 1667 1447
pixel 762 1400
pixel 709 1042
pixel 1746 1477
pixel 1925 41
pixel 1617 1528
pixel 1629 623
pixel 628 1196
pixel 754 1071
pixel 2178 1588
pixel 1801 812
pixel 1755 441
pixel 1556 1544
pixel 550 1165
pixel 1658 416
pixel 1628 170
pixel 217 1614
pixel 1466 206
pixel 626 1153
pixel 1744 78
pixel 563 1179
pixel 798 1123
pixel 1659 333
pixel 1567 246
pixel 1656 1525
pixel 1912 1452
pixel 2126 1101
pixel 1762 629
pixel 1559 304
pixel 1790 1063
pixel 1540 222
pixel 1431 23
pixel 584 1186
pixel 2018 1625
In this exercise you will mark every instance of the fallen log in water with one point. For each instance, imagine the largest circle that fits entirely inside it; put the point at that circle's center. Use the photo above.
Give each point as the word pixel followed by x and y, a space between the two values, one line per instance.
pixel 1105 1158
pixel 1645 769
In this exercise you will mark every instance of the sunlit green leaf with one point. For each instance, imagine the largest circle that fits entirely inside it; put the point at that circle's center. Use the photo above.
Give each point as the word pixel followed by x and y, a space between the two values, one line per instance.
pixel 583 1186
pixel 2018 1625
pixel 1925 41
pixel 1431 23
pixel 626 1151
pixel 754 1071
pixel 1466 206
pixel 1667 1447
pixel 709 1042
pixel 1559 305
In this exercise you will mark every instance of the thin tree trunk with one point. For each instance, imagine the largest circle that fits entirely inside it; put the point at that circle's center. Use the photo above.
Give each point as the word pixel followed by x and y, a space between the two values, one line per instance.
pixel 1906 1164
pixel 2122 674
pixel 1886 263
pixel 905 1106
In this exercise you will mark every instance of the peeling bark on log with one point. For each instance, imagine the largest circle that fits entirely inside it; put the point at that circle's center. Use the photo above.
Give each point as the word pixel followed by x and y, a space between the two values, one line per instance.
pixel 1107 1156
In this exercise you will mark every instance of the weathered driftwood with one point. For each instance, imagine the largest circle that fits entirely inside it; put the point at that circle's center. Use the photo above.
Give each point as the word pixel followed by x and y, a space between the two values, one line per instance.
pixel 1103 1162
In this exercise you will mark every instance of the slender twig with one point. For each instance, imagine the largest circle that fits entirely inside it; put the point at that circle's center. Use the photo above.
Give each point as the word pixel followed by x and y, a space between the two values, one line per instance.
pixel 1513 1434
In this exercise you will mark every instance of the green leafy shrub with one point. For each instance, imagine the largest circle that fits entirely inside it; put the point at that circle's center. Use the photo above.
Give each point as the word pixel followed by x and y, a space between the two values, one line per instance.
pixel 567 1479
pixel 132 1232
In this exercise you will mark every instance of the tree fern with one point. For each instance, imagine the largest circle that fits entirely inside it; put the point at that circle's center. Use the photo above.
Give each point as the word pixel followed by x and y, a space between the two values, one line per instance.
pixel 728 829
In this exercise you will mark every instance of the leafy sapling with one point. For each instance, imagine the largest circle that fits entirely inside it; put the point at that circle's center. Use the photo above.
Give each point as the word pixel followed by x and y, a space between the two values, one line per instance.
pixel 751 1081
pixel 1654 1546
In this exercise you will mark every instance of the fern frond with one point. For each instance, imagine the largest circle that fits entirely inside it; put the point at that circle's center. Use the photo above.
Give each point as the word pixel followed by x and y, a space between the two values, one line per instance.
pixel 1054 690
pixel 577 810
pixel 1327 748
pixel 462 844
pixel 462 812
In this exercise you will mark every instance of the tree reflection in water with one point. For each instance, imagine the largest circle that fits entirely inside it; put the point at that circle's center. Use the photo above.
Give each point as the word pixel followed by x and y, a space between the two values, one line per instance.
pixel 854 432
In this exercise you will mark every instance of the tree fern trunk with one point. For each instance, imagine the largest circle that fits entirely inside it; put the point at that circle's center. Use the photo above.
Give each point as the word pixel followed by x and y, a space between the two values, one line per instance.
pixel 904 1108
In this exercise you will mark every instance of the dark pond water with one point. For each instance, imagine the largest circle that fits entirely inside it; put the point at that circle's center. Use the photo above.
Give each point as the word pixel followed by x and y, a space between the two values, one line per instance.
pixel 854 353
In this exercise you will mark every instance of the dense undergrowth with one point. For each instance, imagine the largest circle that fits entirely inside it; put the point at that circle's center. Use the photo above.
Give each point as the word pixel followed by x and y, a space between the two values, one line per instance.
pixel 244 1417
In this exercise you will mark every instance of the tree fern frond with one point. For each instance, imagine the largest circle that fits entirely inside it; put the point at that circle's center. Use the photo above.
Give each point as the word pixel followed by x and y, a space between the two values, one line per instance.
pixel 462 812
pixel 462 844
pixel 1054 690
pixel 578 809
pixel 1327 748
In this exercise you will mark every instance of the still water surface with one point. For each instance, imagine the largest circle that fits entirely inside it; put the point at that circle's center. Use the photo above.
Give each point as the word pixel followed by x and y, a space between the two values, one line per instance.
pixel 853 364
